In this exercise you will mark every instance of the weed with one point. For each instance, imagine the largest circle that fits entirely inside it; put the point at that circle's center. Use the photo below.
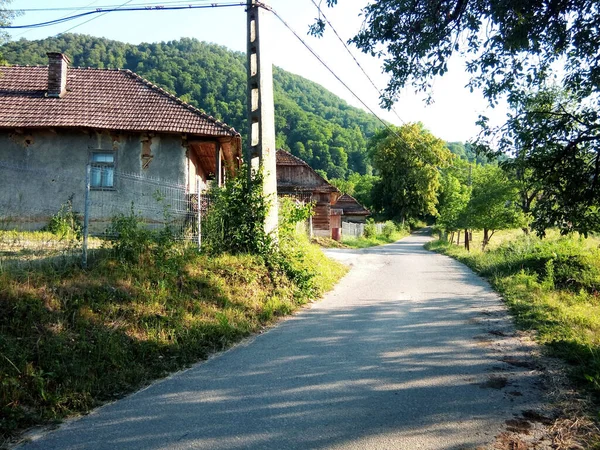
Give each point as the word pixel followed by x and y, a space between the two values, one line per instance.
pixel 66 223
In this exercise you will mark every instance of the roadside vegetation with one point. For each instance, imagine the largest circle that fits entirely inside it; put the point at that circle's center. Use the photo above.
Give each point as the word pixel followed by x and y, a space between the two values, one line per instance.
pixel 390 232
pixel 71 339
pixel 551 287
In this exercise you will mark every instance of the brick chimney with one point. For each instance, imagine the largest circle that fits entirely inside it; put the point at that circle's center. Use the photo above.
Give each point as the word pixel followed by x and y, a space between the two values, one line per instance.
pixel 57 74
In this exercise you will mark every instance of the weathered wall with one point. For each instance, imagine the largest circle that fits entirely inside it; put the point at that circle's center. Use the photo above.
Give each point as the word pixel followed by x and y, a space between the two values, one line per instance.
pixel 42 169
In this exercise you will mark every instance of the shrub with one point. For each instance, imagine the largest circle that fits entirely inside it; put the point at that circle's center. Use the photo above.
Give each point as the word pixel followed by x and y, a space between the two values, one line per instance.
pixel 235 221
pixel 370 229
pixel 66 223
pixel 389 228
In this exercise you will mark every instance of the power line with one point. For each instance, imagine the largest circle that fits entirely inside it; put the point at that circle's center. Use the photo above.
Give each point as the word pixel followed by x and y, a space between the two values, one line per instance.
pixel 103 11
pixel 88 6
pixel 328 68
pixel 94 18
pixel 353 57
pixel 62 17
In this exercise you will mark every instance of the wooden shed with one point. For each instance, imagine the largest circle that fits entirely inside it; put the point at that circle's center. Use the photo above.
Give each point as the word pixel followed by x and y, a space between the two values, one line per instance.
pixel 352 211
pixel 295 178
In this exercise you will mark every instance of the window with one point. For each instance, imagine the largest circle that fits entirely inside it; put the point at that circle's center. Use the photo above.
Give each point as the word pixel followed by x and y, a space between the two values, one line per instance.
pixel 103 170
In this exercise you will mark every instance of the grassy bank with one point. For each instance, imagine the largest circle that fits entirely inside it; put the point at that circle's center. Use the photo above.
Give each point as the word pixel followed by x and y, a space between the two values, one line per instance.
pixel 551 286
pixel 71 339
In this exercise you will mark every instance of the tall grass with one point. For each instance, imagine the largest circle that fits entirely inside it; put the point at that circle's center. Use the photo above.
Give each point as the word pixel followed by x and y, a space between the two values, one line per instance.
pixel 551 286
pixel 71 339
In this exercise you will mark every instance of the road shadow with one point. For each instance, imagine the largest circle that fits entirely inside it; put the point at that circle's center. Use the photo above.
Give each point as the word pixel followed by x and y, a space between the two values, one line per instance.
pixel 398 369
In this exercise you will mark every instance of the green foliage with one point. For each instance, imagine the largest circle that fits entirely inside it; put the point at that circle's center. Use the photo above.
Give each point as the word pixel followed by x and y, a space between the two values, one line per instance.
pixel 493 202
pixel 512 45
pixel 553 137
pixel 389 228
pixel 235 222
pixel 6 18
pixel 370 229
pixel 292 212
pixel 407 159
pixel 551 286
pixel 453 200
pixel 310 121
pixel 66 223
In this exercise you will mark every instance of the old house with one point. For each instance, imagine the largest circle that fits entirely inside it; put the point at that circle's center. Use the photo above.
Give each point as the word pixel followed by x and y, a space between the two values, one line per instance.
pixel 55 120
pixel 297 179
pixel 352 211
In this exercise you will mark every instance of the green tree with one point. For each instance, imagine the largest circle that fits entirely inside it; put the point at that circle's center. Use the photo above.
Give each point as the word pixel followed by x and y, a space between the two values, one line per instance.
pixel 6 17
pixel 407 159
pixel 554 138
pixel 509 43
pixel 493 204
pixel 453 200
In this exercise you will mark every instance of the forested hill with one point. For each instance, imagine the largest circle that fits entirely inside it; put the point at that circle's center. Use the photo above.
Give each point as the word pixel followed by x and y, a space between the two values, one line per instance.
pixel 311 122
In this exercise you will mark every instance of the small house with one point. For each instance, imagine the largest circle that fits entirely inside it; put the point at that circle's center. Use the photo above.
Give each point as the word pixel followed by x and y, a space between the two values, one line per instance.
pixel 295 178
pixel 57 120
pixel 352 211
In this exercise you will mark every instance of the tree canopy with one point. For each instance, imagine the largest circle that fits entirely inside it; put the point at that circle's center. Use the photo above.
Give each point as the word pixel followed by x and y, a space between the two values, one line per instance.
pixel 407 159
pixel 522 52
pixel 509 43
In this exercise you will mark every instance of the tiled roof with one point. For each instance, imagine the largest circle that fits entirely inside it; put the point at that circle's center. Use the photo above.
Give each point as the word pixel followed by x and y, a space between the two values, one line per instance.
pixel 287 159
pixel 351 206
pixel 113 99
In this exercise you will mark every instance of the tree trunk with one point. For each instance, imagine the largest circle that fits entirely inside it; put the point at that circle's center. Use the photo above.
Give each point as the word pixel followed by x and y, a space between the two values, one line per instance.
pixel 458 237
pixel 451 238
pixel 486 238
pixel 467 246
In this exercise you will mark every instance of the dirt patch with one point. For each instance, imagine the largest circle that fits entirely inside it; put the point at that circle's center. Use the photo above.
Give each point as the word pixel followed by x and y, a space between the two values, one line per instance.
pixel 518 426
pixel 494 382
pixel 527 364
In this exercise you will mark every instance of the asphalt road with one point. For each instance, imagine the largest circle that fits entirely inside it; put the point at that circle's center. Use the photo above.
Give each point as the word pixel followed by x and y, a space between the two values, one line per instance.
pixel 410 351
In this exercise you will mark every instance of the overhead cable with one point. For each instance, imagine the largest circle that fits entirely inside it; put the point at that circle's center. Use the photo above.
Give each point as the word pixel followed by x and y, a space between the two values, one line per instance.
pixel 353 57
pixel 104 11
pixel 385 124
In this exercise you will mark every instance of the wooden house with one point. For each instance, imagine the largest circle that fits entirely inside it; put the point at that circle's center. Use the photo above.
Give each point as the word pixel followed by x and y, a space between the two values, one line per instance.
pixel 352 211
pixel 295 178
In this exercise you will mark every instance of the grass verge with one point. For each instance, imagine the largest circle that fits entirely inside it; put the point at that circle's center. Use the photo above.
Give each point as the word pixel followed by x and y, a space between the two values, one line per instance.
pixel 71 339
pixel 551 286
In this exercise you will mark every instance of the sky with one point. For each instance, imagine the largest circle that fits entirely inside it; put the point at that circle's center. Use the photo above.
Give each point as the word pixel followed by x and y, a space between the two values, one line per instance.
pixel 451 117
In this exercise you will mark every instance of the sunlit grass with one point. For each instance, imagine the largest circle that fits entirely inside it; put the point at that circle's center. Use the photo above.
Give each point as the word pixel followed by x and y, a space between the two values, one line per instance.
pixel 71 339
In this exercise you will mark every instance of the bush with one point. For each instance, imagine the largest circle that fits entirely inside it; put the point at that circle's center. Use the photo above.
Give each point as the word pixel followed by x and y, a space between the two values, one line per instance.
pixel 66 223
pixel 235 221
pixel 370 229
pixel 389 229
pixel 134 240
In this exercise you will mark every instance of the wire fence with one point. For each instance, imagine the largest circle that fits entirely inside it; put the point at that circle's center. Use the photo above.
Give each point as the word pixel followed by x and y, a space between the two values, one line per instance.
pixel 357 230
pixel 54 216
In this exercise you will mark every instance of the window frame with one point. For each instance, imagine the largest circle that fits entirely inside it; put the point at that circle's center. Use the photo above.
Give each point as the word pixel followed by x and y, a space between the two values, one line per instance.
pixel 102 165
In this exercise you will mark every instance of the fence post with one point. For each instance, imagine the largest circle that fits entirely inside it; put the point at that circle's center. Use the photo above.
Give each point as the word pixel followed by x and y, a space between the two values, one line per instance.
pixel 199 214
pixel 86 216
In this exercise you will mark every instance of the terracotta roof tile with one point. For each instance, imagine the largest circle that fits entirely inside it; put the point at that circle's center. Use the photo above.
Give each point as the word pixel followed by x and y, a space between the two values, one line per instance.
pixel 99 98
pixel 351 206
pixel 287 159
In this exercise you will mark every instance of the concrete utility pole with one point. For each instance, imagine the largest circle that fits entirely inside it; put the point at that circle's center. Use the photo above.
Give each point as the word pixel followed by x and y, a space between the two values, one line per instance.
pixel 261 111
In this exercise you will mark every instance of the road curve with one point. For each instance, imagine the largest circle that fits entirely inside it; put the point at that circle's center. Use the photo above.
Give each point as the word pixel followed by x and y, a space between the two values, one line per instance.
pixel 410 351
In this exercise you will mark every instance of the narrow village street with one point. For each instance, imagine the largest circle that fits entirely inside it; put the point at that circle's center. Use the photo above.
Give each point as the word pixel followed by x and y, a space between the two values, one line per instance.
pixel 410 351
